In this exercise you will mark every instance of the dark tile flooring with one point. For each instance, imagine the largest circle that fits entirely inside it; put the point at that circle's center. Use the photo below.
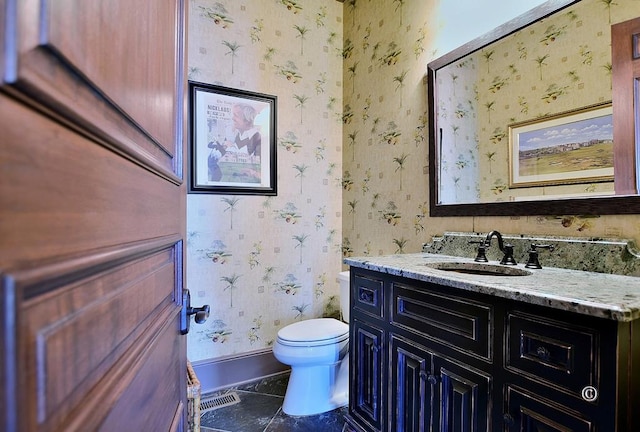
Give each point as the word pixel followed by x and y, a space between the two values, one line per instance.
pixel 260 410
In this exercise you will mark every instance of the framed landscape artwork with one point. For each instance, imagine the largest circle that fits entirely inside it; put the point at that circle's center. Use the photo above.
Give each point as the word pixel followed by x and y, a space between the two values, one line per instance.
pixel 573 147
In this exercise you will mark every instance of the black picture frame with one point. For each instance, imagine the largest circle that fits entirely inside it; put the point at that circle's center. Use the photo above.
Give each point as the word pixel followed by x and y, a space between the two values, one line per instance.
pixel 232 134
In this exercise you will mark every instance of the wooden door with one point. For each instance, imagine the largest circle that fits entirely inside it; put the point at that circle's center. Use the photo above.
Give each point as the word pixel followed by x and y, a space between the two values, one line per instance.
pixel 92 215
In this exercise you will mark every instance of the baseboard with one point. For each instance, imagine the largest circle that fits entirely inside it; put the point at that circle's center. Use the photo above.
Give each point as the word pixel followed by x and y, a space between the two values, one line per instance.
pixel 217 373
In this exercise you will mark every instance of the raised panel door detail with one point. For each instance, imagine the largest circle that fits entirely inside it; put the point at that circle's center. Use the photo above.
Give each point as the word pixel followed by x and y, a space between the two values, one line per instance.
pixel 464 401
pixel 91 258
pixel 412 383
pixel 368 373
pixel 81 318
pixel 111 80
pixel 130 412
pixel 70 195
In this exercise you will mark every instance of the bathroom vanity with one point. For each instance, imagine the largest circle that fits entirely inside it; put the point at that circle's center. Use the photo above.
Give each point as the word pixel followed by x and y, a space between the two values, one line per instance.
pixel 441 343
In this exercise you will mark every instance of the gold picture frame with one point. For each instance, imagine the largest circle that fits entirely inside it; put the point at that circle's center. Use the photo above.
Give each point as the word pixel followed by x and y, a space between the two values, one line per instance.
pixel 567 148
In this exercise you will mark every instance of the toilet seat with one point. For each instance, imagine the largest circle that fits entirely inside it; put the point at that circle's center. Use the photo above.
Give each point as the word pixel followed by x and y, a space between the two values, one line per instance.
pixel 314 332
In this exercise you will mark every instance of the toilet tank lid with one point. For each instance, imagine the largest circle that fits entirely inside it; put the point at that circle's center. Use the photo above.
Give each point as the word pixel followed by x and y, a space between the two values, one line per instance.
pixel 314 330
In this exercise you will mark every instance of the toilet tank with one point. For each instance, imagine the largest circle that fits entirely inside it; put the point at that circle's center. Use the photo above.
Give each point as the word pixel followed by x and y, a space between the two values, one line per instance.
pixel 343 277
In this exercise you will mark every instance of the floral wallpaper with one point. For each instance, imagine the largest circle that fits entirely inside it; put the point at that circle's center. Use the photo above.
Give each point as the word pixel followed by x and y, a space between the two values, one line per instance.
pixel 387 45
pixel 264 262
pixel 352 155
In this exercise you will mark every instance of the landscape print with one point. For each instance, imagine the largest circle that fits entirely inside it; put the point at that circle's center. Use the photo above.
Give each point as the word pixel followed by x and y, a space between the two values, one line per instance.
pixel 573 148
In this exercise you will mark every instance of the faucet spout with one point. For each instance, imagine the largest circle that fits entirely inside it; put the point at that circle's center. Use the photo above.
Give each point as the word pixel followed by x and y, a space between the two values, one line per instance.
pixel 507 249
pixel 496 234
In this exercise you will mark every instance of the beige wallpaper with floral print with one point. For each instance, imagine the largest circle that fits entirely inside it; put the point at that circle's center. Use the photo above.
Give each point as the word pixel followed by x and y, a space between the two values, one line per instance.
pixel 387 45
pixel 352 158
pixel 264 262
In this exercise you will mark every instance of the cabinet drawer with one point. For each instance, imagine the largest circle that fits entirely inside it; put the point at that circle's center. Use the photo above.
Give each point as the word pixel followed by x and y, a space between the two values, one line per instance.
pixel 530 412
pixel 458 322
pixel 368 294
pixel 555 352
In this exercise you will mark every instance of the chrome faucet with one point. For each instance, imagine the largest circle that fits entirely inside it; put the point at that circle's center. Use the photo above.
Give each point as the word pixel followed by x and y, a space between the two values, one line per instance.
pixel 507 248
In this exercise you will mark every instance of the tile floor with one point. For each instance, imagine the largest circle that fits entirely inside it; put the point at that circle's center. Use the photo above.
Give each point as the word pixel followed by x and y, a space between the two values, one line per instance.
pixel 260 410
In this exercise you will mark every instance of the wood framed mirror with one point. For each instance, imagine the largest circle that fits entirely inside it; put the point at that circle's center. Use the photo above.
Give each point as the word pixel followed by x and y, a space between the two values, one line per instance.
pixel 485 92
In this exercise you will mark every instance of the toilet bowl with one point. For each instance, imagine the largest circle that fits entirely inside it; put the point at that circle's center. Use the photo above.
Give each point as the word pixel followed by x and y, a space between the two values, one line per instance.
pixel 317 351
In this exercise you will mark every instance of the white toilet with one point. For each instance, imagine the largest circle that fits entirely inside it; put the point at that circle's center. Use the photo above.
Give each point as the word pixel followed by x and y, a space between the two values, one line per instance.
pixel 318 352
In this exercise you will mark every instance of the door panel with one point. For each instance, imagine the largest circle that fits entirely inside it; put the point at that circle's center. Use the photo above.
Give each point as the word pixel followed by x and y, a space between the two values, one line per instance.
pixel 92 215
pixel 368 373
pixel 147 389
pixel 411 369
pixel 107 67
pixel 58 319
pixel 67 194
pixel 465 401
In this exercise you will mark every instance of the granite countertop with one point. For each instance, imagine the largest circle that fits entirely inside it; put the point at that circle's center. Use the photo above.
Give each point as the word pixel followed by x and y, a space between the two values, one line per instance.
pixel 600 295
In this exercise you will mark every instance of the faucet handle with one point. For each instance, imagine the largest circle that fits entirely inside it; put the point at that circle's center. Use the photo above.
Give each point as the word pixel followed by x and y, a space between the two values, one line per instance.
pixel 533 261
pixel 481 255
pixel 508 255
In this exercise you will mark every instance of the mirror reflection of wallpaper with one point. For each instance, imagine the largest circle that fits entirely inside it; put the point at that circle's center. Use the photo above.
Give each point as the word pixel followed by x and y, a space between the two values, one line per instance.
pixel 458 133
pixel 557 65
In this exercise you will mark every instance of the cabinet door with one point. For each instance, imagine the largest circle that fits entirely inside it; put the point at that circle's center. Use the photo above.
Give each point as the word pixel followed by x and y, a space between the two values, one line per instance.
pixel 412 381
pixel 463 401
pixel 368 374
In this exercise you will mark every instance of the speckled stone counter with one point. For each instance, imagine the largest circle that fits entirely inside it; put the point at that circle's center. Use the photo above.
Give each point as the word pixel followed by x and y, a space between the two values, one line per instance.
pixel 601 295
pixel 614 256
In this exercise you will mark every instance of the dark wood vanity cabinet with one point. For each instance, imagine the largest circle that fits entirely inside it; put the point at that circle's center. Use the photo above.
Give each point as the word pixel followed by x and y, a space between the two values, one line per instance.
pixel 428 390
pixel 369 374
pixel 426 357
pixel 368 369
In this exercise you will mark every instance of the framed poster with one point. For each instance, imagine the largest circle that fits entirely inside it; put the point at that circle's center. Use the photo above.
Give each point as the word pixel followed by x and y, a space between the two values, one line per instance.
pixel 573 147
pixel 232 141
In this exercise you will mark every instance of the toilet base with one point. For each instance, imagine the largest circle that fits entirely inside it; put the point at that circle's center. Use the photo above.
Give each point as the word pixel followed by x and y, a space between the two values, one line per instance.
pixel 316 389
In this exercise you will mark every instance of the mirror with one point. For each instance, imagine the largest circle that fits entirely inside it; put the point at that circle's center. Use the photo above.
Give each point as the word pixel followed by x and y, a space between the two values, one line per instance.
pixel 493 101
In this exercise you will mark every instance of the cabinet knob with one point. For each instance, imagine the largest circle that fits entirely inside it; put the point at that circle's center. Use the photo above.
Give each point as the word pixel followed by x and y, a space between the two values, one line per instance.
pixel 426 376
pixel 508 420
pixel 543 353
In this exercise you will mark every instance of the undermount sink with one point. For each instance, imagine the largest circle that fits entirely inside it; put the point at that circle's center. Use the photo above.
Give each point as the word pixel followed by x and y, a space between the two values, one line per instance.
pixel 481 269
